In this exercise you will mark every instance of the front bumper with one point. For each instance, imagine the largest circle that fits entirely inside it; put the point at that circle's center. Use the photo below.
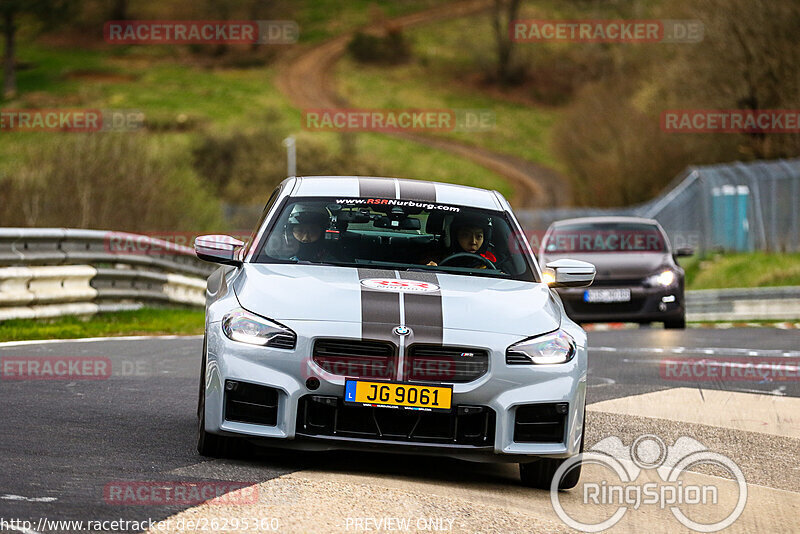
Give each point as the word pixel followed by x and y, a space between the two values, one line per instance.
pixel 503 390
pixel 647 304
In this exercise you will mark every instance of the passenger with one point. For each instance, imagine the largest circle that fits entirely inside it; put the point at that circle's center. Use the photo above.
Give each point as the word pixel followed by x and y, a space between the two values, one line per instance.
pixel 469 234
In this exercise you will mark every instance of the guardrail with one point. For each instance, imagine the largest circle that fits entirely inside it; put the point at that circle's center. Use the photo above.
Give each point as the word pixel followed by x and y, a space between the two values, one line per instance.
pixel 48 272
pixel 760 303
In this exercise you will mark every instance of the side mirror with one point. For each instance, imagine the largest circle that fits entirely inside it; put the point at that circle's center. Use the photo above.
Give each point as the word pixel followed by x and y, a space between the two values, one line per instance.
pixel 569 273
pixel 218 249
pixel 683 252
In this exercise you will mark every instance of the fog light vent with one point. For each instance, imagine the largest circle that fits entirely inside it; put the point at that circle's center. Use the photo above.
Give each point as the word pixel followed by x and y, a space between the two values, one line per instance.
pixel 251 403
pixel 540 423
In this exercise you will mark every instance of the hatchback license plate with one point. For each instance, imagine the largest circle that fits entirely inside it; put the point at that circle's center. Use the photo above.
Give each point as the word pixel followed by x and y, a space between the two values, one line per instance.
pixel 398 395
pixel 607 295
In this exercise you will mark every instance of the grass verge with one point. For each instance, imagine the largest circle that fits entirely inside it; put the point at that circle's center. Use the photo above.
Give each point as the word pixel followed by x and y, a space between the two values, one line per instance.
pixel 147 321
pixel 754 269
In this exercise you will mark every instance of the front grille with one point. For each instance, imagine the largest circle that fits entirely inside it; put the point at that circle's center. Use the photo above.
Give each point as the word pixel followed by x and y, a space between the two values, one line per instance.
pixel 251 403
pixel 579 306
pixel 356 358
pixel 540 423
pixel 329 416
pixel 435 363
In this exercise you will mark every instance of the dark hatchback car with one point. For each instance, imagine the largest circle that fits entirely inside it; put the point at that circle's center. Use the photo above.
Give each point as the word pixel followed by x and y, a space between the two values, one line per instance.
pixel 638 277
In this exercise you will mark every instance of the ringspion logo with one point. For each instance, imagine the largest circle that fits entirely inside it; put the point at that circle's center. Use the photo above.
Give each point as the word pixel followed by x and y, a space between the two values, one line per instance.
pixel 625 487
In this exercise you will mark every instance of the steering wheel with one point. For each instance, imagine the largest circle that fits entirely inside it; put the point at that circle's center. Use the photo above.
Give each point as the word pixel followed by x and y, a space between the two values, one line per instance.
pixel 470 255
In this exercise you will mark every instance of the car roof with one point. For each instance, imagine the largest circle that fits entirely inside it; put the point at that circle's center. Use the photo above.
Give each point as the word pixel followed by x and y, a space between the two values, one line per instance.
pixel 606 219
pixel 398 188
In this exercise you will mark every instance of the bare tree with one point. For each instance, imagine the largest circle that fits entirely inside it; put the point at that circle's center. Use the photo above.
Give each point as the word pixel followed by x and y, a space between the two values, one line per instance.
pixel 748 59
pixel 10 11
pixel 9 52
pixel 503 14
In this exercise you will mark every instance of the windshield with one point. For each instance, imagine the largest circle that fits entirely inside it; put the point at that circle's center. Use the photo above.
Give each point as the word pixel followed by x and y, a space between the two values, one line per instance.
pixel 605 237
pixel 395 234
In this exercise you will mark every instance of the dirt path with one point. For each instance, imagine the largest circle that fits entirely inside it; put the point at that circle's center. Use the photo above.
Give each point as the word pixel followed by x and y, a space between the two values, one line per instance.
pixel 308 80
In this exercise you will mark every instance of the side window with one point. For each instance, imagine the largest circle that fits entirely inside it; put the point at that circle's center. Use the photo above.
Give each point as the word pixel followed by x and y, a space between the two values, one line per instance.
pixel 270 204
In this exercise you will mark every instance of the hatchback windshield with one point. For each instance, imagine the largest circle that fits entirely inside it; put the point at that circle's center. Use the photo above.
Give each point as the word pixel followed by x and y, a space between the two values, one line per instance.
pixel 605 237
pixel 395 234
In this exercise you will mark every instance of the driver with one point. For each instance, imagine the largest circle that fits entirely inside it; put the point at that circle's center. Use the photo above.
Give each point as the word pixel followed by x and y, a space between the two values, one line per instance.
pixel 303 236
pixel 469 234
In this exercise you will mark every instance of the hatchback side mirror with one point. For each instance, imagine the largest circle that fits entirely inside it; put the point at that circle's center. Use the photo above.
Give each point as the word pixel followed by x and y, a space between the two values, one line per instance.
pixel 683 252
pixel 218 249
pixel 569 273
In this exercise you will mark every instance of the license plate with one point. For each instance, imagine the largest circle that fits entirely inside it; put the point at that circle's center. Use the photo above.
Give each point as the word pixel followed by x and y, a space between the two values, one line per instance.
pixel 398 395
pixel 607 295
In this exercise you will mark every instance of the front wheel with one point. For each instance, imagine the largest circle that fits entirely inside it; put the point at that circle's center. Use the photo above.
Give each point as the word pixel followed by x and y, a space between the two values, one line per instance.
pixel 209 444
pixel 539 474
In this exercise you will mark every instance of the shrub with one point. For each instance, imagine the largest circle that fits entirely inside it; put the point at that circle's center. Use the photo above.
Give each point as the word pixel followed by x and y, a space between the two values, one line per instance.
pixel 391 48
pixel 105 181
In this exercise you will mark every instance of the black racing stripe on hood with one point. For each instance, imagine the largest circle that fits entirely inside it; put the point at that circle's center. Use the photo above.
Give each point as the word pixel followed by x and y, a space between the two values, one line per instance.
pixel 423 311
pixel 373 187
pixel 417 190
pixel 380 310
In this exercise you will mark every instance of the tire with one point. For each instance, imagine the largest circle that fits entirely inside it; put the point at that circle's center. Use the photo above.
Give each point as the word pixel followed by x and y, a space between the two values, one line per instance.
pixel 539 474
pixel 678 324
pixel 208 444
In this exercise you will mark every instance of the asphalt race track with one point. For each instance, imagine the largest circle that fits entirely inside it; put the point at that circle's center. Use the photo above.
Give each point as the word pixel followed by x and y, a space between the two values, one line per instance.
pixel 63 442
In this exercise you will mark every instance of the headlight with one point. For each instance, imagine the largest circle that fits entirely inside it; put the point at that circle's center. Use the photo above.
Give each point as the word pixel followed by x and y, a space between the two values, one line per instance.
pixel 556 347
pixel 664 279
pixel 245 327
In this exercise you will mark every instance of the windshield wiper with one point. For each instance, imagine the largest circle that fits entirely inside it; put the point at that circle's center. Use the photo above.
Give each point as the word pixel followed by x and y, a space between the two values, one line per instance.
pixel 487 273
pixel 328 263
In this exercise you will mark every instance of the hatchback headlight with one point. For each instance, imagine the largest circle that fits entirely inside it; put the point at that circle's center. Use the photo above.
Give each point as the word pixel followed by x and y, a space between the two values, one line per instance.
pixel 664 279
pixel 245 327
pixel 555 347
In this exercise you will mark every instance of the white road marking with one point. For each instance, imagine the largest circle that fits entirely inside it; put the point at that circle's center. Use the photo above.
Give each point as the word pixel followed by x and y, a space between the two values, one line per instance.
pixel 10 497
pixel 92 340
pixel 605 382
pixel 704 350
pixel 780 392
pixel 21 529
